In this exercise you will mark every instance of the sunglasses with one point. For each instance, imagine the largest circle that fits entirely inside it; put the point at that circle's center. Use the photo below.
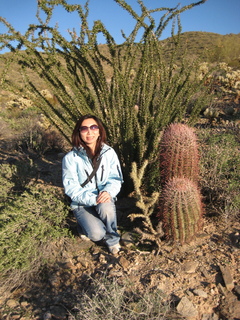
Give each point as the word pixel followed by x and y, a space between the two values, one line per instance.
pixel 93 127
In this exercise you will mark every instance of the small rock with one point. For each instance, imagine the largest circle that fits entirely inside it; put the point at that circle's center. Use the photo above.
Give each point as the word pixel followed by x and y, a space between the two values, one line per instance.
pixel 237 290
pixel 84 262
pixel 235 238
pixel 47 315
pixel 25 304
pixel 189 293
pixel 127 239
pixel 11 303
pixel 200 293
pixel 186 308
pixel 58 312
pixel 67 265
pixel 54 280
pixel 226 274
pixel 210 316
pixel 78 265
pixel 124 263
pixel 205 272
pixel 15 316
pixel 85 245
pixel 190 267
pixel 115 273
pixel 102 259
pixel 222 290
pixel 230 306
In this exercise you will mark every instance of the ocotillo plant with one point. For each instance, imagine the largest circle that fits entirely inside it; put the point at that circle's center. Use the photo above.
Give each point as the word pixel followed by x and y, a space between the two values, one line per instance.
pixel 181 210
pixel 136 87
pixel 179 156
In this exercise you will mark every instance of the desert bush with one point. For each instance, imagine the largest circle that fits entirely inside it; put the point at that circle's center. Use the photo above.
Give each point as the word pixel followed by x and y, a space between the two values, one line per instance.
pixel 19 103
pixel 107 299
pixel 228 79
pixel 4 130
pixel 30 222
pixel 225 49
pixel 41 140
pixel 6 181
pixel 38 135
pixel 220 174
pixel 23 171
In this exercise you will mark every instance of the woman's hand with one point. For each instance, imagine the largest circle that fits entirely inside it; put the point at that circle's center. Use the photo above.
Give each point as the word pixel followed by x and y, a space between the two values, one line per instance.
pixel 103 196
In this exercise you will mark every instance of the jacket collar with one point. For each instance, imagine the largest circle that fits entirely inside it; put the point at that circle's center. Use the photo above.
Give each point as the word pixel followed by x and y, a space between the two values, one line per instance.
pixel 82 152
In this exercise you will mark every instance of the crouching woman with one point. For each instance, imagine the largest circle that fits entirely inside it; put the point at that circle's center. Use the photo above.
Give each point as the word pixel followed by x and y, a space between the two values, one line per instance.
pixel 92 178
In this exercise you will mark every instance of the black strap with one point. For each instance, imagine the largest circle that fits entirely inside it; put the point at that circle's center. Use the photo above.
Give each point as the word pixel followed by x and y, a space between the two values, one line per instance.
pixel 95 168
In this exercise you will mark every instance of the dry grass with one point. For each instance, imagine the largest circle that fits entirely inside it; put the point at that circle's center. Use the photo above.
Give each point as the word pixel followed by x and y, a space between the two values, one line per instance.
pixel 107 299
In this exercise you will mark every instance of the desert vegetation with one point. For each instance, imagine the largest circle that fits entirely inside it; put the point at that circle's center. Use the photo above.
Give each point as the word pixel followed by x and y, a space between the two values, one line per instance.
pixel 139 90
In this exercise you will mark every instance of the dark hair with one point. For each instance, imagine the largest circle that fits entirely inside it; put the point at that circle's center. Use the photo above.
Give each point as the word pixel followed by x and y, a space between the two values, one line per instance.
pixel 76 138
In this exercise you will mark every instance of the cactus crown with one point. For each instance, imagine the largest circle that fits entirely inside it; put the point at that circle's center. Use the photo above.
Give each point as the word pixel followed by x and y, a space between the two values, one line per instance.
pixel 179 155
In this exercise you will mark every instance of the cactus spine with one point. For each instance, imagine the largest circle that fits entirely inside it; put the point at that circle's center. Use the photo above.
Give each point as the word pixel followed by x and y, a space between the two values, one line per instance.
pixel 179 155
pixel 181 208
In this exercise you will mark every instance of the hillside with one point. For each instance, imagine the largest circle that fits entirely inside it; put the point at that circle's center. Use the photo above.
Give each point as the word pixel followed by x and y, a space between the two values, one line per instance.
pixel 210 47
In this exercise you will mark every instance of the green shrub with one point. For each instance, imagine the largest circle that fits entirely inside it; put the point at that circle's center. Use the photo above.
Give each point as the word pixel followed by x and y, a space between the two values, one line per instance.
pixel 6 182
pixel 23 171
pixel 27 129
pixel 30 222
pixel 220 174
pixel 41 140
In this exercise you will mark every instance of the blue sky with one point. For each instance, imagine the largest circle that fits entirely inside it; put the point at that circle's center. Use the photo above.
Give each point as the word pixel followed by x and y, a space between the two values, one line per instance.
pixel 218 16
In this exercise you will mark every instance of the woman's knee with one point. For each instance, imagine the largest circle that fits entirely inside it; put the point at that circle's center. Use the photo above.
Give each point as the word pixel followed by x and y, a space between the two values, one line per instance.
pixel 107 209
pixel 90 224
pixel 96 234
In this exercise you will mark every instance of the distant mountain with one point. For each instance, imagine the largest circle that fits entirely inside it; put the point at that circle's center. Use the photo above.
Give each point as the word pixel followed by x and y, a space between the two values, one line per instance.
pixel 212 47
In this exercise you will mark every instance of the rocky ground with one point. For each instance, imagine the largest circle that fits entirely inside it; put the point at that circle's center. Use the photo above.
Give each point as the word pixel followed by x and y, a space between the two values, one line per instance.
pixel 201 280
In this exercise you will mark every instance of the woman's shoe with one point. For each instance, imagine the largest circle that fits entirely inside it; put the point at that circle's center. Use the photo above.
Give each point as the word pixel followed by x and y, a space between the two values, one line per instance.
pixel 84 238
pixel 115 249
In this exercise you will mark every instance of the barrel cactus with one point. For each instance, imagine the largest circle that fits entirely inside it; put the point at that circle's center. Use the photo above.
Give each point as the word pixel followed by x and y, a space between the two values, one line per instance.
pixel 181 210
pixel 179 156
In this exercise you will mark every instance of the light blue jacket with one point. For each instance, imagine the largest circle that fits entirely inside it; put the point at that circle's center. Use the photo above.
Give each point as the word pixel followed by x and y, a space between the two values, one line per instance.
pixel 76 167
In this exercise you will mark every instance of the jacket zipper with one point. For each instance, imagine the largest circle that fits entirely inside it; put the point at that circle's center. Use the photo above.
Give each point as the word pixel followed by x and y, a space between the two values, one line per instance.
pixel 102 172
pixel 119 171
pixel 96 184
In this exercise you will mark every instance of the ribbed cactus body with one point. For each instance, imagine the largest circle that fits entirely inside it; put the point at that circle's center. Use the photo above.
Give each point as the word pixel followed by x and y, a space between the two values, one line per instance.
pixel 181 210
pixel 179 156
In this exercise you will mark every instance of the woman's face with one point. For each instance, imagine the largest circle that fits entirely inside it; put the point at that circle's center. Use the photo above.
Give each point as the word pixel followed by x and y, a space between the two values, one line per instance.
pixel 89 132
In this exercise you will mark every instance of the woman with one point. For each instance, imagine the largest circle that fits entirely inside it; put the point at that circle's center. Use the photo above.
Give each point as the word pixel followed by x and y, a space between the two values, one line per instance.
pixel 93 196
